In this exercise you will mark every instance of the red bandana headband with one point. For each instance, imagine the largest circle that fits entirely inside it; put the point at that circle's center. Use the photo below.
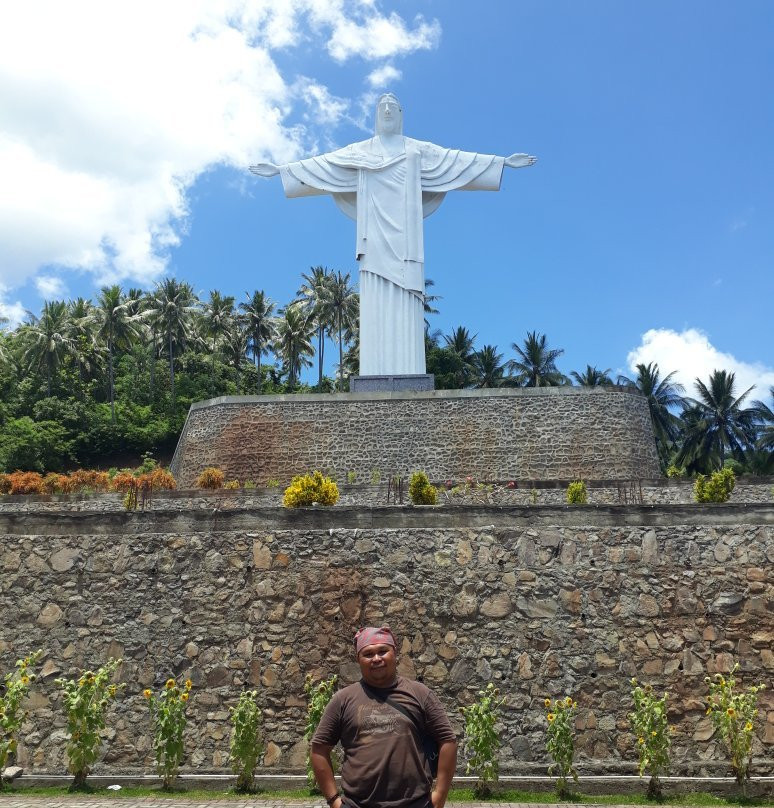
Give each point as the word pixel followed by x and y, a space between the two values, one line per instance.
pixel 374 636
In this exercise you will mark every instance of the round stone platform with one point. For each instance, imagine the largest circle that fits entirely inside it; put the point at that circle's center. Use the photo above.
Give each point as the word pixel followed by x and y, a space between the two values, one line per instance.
pixel 543 433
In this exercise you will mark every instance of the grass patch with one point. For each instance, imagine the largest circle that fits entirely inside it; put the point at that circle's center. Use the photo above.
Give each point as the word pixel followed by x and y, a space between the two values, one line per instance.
pixel 456 795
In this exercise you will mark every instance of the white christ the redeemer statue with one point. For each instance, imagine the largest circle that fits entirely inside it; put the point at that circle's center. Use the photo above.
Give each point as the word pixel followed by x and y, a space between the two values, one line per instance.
pixel 388 184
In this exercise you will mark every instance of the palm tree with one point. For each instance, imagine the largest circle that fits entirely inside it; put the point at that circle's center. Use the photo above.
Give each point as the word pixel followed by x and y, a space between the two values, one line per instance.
pixel 765 416
pixel 428 301
pixel 172 307
pixel 592 377
pixel 81 321
pixel 662 396
pixel 117 329
pixel 235 344
pixel 488 367
pixel 717 423
pixel 218 314
pixel 311 295
pixel 535 365
pixel 48 339
pixel 461 343
pixel 293 342
pixel 259 317
pixel 340 305
pixel 3 352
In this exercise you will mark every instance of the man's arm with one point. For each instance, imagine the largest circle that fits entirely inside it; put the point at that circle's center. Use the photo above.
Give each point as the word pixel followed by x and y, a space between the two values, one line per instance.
pixel 447 765
pixel 320 757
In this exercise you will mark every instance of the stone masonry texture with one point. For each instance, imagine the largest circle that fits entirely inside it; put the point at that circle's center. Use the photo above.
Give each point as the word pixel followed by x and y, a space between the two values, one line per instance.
pixel 527 434
pixel 542 601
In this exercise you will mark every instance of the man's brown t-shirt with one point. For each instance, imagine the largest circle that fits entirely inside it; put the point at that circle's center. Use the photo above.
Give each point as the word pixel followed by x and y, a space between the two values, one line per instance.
pixel 384 764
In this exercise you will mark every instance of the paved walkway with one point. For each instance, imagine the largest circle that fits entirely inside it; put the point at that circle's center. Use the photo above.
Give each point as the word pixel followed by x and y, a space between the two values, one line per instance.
pixel 80 801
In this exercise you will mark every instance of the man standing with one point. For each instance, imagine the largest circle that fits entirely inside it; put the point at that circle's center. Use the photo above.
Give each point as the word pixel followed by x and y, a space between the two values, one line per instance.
pixel 381 721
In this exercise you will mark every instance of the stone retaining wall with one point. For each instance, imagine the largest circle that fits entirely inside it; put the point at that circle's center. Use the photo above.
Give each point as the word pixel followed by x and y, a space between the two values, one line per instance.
pixel 748 490
pixel 527 434
pixel 542 601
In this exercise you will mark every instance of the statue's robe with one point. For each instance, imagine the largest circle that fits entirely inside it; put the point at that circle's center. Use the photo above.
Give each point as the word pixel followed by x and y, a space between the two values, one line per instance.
pixel 388 196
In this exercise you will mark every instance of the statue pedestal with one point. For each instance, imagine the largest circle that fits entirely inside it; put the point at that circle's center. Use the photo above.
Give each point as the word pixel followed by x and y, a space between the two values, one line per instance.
pixel 415 383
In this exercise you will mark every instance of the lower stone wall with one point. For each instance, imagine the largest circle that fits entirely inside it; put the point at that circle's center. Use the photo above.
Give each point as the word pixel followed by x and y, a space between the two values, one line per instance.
pixel 540 601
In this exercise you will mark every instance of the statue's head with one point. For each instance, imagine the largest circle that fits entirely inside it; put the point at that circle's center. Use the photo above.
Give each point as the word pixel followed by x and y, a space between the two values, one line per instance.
pixel 389 115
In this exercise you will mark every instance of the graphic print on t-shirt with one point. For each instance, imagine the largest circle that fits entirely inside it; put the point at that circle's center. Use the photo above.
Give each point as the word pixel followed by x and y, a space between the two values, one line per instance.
pixel 377 719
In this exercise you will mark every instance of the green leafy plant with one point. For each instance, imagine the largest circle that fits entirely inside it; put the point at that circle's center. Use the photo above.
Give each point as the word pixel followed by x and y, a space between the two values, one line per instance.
pixel 351 477
pixel 376 476
pixel 86 701
pixel 717 488
pixel 169 720
pixel 317 697
pixel 272 483
pixel 674 471
pixel 481 741
pixel 533 495
pixel 577 494
pixel 733 712
pixel 560 741
pixel 231 485
pixel 310 488
pixel 246 746
pixel 420 490
pixel 649 723
pixel 16 688
pixel 249 485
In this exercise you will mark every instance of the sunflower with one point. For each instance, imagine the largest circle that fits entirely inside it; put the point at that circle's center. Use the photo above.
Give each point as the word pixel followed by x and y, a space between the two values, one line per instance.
pixel 170 684
pixel 147 693
pixel 547 702
pixel 550 717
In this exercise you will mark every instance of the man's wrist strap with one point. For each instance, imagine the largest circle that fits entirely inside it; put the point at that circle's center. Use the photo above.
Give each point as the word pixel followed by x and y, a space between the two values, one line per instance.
pixel 331 800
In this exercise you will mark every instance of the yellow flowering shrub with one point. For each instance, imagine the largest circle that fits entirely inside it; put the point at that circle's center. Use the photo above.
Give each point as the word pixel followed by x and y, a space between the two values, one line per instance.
pixel 307 489
pixel 421 492
pixel 12 694
pixel 560 741
pixel 650 725
pixel 169 720
pixel 577 494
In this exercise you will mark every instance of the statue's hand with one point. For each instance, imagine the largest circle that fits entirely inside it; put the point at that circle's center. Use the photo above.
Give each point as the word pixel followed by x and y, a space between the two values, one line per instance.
pixel 265 169
pixel 520 160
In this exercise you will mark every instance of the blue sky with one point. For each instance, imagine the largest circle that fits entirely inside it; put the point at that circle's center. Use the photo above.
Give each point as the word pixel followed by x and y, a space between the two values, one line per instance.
pixel 644 233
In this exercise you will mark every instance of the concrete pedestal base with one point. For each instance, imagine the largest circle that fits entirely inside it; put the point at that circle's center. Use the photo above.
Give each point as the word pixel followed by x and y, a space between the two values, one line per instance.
pixel 418 383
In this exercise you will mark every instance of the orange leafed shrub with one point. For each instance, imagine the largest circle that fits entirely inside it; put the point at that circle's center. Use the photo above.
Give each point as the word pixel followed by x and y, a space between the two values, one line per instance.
pixel 89 480
pixel 26 482
pixel 123 481
pixel 210 478
pixel 162 479
pixel 5 484
pixel 54 483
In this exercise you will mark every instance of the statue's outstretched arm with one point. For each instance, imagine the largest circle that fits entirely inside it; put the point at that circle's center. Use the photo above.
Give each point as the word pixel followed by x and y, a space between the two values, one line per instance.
pixel 520 160
pixel 265 169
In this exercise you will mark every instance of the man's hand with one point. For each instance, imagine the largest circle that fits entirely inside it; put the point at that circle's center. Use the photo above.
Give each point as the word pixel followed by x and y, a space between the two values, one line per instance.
pixel 265 169
pixel 519 160
pixel 437 799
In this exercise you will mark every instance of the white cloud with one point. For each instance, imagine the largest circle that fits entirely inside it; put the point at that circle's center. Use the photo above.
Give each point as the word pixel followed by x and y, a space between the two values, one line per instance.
pixel 110 111
pixel 384 76
pixel 13 312
pixel 50 287
pixel 691 355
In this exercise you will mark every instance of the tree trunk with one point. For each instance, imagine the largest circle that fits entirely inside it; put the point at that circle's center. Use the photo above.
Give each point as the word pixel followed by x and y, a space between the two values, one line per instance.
pixel 171 370
pixel 341 359
pixel 320 349
pixel 257 352
pixel 111 383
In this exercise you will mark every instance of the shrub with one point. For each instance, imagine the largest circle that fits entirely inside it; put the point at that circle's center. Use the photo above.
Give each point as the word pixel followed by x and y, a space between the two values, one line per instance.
pixel 310 488
pixel 16 687
pixel 54 483
pixel 650 725
pixel 675 471
pixel 161 480
pixel 733 713
pixel 717 489
pixel 246 745
pixel 5 483
pixel 249 485
pixel 481 741
pixel 123 481
pixel 420 490
pixel 26 482
pixel 232 485
pixel 272 483
pixel 210 478
pixel 560 742
pixel 351 477
pixel 169 720
pixel 86 701
pixel 89 480
pixel 317 698
pixel 577 493
pixel 376 477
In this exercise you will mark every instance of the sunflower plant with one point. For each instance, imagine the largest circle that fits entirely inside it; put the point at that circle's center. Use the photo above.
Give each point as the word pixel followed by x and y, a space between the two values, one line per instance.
pixel 16 687
pixel 246 746
pixel 649 723
pixel 482 742
pixel 318 694
pixel 733 712
pixel 86 701
pixel 169 720
pixel 560 741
